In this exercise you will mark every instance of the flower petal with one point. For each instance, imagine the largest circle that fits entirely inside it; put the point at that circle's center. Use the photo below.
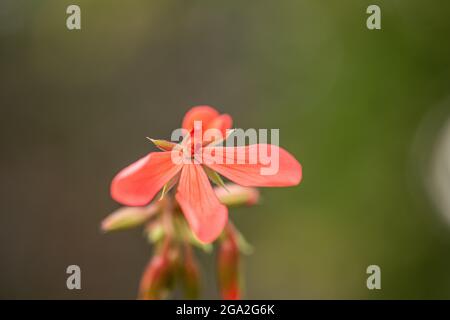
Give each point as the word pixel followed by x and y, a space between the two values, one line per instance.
pixel 205 214
pixel 248 165
pixel 137 184
pixel 222 123
pixel 206 114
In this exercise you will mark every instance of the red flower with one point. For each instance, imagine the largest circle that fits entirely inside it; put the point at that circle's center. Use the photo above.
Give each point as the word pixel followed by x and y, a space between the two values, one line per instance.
pixel 137 184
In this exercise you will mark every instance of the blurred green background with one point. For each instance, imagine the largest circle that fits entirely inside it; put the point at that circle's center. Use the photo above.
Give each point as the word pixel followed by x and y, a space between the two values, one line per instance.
pixel 363 111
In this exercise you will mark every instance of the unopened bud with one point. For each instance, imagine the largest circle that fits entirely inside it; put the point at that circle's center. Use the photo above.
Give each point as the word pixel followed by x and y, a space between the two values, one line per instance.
pixel 228 266
pixel 157 280
pixel 190 274
pixel 154 231
pixel 128 217
pixel 235 195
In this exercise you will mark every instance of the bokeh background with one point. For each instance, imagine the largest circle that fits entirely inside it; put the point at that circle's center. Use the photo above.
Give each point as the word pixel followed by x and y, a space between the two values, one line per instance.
pixel 366 113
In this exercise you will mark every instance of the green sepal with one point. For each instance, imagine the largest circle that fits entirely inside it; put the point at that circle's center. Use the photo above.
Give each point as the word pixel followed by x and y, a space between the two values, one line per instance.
pixel 215 177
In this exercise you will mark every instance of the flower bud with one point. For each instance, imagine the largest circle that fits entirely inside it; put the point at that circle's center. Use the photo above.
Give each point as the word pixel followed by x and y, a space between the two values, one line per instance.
pixel 154 231
pixel 128 217
pixel 157 280
pixel 190 274
pixel 228 266
pixel 235 195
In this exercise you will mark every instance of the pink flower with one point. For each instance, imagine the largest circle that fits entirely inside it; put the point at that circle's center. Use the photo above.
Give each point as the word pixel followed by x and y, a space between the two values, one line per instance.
pixel 137 184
